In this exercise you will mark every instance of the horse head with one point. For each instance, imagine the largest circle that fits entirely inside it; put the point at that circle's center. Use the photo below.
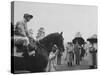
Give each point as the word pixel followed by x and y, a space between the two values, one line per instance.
pixel 53 39
pixel 59 41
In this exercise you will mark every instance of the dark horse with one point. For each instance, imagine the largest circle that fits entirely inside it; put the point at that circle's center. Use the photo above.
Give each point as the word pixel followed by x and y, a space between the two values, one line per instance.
pixel 38 63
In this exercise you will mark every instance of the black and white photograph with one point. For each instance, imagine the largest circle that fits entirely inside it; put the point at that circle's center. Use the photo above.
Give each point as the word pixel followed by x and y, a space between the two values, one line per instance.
pixel 51 37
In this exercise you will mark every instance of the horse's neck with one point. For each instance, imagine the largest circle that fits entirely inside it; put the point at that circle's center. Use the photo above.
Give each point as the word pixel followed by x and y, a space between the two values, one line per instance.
pixel 42 50
pixel 47 44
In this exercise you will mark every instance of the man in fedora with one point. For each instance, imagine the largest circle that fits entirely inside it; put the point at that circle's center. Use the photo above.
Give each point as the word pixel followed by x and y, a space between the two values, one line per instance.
pixel 93 50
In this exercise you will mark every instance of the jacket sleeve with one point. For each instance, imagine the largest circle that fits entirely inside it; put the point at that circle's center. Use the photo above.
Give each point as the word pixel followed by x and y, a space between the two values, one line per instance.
pixel 26 30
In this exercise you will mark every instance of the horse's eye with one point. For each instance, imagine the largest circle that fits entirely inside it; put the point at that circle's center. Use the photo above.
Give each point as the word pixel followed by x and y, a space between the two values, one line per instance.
pixel 62 38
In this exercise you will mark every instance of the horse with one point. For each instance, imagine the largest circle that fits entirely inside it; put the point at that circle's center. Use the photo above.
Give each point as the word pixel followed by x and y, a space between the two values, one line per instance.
pixel 38 63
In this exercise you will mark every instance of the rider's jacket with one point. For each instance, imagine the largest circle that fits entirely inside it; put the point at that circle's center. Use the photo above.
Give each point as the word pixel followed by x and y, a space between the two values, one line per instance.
pixel 21 28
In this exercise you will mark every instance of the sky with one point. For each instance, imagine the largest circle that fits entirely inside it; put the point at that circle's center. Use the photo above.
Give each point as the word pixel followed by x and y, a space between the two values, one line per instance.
pixel 65 18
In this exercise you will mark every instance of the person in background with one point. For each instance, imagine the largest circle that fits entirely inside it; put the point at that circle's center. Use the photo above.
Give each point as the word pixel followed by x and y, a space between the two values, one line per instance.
pixel 70 51
pixel 78 42
pixel 93 50
pixel 52 57
pixel 77 51
pixel 70 54
pixel 41 33
pixel 83 53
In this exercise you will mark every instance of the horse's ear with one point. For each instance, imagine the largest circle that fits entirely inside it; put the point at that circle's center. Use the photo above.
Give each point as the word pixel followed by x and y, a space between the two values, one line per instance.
pixel 61 33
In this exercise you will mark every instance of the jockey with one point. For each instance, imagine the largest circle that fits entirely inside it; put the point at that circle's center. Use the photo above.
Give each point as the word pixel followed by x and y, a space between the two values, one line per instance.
pixel 21 30
pixel 21 35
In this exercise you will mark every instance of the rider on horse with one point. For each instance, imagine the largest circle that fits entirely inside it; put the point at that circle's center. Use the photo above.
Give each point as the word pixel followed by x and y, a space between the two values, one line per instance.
pixel 21 36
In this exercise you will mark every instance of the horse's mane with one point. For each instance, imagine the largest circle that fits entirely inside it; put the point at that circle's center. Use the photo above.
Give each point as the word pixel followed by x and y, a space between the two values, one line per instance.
pixel 47 40
pixel 50 36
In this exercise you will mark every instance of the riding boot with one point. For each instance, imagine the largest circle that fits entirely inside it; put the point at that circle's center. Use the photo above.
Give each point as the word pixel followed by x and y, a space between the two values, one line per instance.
pixel 25 54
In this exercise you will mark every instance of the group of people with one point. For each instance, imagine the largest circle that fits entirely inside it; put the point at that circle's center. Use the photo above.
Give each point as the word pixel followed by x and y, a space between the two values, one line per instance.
pixel 75 49
pixel 78 49
pixel 75 53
